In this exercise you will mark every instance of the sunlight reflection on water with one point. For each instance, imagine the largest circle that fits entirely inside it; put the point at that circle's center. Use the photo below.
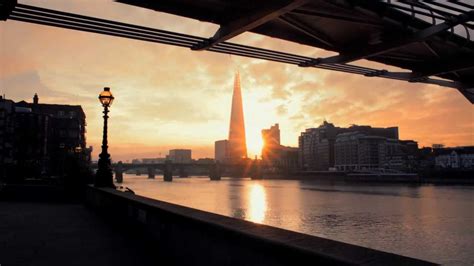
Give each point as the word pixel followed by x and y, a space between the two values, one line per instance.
pixel 427 222
pixel 257 203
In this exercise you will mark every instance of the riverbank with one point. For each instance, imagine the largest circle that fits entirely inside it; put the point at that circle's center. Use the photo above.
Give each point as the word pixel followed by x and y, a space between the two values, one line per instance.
pixel 124 229
pixel 431 222
pixel 194 236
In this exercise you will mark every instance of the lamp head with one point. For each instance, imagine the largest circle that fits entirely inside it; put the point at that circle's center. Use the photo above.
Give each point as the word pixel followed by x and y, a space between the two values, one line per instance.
pixel 106 98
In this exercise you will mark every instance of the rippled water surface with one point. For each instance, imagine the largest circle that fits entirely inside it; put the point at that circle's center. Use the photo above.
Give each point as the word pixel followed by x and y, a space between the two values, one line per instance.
pixel 434 223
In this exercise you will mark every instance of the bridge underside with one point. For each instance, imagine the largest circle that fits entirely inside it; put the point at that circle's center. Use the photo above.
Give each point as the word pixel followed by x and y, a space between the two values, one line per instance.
pixel 413 35
pixel 431 40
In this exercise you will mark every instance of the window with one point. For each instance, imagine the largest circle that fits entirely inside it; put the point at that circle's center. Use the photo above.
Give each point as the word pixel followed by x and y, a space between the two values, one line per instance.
pixel 73 133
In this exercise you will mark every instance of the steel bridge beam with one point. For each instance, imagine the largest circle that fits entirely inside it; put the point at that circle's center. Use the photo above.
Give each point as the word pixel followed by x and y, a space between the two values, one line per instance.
pixel 335 16
pixel 445 67
pixel 62 19
pixel 418 36
pixel 294 23
pixel 269 11
pixel 6 8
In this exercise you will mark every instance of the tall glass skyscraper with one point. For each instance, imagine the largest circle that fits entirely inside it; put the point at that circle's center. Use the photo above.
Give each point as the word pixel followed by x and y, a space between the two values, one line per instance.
pixel 237 142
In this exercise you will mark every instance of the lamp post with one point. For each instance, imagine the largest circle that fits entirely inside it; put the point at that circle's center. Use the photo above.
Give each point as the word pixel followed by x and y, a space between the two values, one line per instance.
pixel 104 177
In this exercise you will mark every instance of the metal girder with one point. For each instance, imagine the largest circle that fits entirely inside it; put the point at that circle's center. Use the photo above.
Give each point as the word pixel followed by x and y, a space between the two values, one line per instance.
pixel 292 22
pixel 440 67
pixel 335 16
pixel 411 77
pixel 421 35
pixel 445 67
pixel 468 93
pixel 269 11
pixel 6 7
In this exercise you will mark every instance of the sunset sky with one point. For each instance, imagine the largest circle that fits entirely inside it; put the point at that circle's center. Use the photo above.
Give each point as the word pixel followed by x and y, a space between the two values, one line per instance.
pixel 170 97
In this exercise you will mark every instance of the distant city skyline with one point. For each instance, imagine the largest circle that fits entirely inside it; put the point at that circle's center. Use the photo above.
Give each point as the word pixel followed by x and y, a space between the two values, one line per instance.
pixel 172 98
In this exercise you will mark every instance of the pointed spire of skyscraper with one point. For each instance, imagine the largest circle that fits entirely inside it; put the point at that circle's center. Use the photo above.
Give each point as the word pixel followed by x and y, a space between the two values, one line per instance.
pixel 237 141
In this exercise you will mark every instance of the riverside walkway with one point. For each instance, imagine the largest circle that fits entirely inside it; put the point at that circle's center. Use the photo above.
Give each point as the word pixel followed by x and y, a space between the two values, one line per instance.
pixel 67 234
pixel 118 228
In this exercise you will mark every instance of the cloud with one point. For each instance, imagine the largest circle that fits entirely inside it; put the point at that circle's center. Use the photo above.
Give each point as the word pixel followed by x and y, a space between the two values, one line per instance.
pixel 169 97
pixel 281 110
pixel 24 85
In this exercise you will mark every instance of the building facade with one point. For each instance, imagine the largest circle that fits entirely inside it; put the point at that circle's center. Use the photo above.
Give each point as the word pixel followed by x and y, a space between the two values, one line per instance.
pixel 234 149
pixel 6 135
pixel 271 141
pixel 237 146
pixel 180 156
pixel 37 139
pixel 317 145
pixel 275 156
pixel 151 160
pixel 454 158
pixel 221 151
pixel 355 151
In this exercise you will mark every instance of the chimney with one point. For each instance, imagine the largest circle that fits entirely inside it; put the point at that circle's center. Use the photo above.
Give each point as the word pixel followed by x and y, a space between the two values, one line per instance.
pixel 35 99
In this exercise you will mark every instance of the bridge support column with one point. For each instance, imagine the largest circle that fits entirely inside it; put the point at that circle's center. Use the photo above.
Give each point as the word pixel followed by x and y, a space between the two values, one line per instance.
pixel 215 171
pixel 183 172
pixel 151 172
pixel 168 172
pixel 119 172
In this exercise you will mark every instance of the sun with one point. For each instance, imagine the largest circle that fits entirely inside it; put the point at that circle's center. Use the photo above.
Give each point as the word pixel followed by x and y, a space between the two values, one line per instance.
pixel 254 145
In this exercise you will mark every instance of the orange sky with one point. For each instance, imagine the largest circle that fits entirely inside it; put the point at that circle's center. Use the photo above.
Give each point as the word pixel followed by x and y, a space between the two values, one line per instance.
pixel 170 97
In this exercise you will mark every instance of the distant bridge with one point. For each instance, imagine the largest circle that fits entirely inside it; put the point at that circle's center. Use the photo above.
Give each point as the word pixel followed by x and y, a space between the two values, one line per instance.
pixel 214 170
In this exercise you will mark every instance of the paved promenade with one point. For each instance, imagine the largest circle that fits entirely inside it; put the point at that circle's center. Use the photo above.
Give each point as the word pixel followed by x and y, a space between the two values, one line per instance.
pixel 67 234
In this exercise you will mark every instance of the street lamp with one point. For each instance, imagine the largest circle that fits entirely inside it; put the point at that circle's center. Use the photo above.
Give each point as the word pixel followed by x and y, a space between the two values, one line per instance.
pixel 104 176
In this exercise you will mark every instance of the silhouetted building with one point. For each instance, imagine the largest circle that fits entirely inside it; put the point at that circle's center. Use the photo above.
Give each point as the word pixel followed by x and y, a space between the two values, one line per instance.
pixel 180 156
pixel 271 136
pixel 32 151
pixel 410 146
pixel 409 149
pixel 237 146
pixel 387 132
pixel 40 137
pixel 271 141
pixel 454 158
pixel 221 150
pixel 151 160
pixel 283 158
pixel 316 145
pixel 356 151
pixel 205 161
pixel 274 155
pixel 6 135
pixel 437 146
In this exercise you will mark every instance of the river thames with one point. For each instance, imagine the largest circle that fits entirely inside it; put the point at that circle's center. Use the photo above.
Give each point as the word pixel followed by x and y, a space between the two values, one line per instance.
pixel 434 223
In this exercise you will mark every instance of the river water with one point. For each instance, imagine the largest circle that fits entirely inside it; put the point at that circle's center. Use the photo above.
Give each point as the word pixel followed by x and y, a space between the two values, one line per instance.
pixel 434 223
